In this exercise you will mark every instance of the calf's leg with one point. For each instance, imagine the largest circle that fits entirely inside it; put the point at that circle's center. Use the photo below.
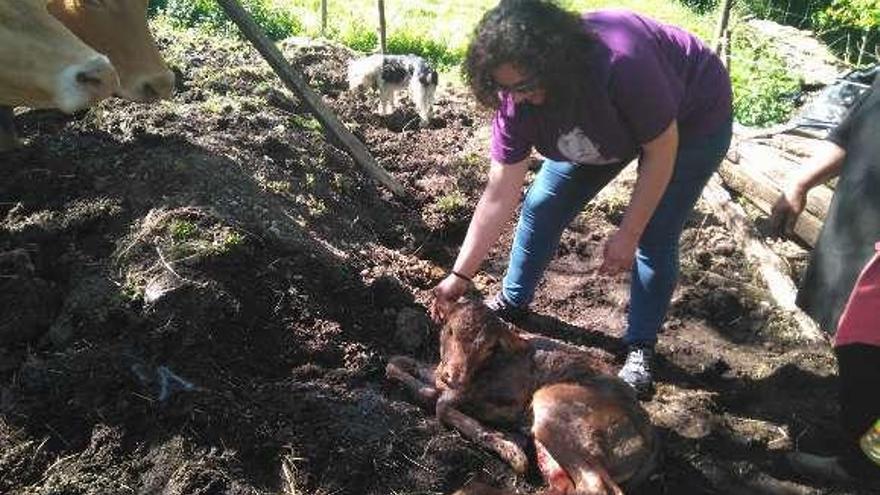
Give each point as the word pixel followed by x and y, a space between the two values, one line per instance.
pixel 401 369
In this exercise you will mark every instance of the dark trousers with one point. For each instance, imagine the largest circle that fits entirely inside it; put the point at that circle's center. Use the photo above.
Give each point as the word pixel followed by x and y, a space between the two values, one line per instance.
pixel 859 384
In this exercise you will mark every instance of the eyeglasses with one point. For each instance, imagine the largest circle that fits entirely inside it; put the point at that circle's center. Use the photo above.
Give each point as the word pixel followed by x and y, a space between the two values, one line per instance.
pixel 527 85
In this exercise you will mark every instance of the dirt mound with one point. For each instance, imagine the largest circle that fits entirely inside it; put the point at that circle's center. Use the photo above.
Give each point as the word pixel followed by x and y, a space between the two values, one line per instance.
pixel 199 296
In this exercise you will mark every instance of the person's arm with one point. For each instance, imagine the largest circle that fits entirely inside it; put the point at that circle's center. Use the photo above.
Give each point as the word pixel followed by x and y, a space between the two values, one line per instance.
pixel 655 171
pixel 496 206
pixel 825 164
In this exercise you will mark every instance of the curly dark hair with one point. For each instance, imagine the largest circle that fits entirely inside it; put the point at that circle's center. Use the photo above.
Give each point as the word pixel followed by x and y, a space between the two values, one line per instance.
pixel 539 38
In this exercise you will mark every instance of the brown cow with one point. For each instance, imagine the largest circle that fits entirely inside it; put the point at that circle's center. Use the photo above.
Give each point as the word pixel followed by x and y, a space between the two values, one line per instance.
pixel 43 64
pixel 590 433
pixel 117 28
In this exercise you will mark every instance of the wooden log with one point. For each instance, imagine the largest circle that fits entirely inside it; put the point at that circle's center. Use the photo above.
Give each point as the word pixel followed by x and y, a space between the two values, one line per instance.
pixel 763 193
pixel 296 83
pixel 770 266
pixel 768 163
pixel 797 148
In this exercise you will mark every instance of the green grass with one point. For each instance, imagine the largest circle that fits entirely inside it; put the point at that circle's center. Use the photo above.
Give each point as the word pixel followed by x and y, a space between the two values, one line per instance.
pixel 440 29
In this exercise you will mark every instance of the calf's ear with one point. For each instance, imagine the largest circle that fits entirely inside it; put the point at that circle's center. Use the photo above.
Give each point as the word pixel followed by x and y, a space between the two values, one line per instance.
pixel 510 339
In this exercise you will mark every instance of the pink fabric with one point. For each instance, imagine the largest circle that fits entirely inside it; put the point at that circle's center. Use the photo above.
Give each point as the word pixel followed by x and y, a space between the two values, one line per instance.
pixel 860 321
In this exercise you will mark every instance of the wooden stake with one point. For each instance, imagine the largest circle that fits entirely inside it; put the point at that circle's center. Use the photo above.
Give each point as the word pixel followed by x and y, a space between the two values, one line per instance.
pixel 382 46
pixel 296 83
pixel 324 18
pixel 721 32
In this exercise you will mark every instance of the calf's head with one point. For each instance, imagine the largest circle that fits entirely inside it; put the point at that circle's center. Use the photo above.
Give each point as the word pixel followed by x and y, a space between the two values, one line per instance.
pixel 469 337
pixel 43 64
pixel 118 28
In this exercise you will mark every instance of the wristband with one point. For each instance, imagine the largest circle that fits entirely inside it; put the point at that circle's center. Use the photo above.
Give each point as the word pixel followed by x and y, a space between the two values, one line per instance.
pixel 461 276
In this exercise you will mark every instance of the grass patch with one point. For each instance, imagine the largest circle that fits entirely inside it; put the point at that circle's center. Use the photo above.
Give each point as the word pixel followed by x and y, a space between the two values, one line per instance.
pixel 182 230
pixel 452 203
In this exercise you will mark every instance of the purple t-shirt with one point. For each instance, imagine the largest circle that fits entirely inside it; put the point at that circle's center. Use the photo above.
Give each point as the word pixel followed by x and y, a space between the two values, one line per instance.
pixel 642 75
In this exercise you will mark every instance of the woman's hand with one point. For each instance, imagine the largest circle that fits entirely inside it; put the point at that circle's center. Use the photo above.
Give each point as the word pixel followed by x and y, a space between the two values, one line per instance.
pixel 655 171
pixel 446 293
pixel 787 209
pixel 619 253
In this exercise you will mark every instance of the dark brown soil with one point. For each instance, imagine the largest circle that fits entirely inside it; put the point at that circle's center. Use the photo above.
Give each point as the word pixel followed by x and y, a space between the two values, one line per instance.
pixel 199 296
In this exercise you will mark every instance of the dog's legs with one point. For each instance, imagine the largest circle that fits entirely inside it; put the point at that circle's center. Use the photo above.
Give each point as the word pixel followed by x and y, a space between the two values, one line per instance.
pixel 384 91
pixel 423 97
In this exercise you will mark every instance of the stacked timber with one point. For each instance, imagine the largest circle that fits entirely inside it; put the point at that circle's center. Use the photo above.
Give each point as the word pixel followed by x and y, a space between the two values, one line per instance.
pixel 759 169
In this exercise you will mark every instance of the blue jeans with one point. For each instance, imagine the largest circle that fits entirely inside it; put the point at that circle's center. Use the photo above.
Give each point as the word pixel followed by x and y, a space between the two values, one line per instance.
pixel 562 189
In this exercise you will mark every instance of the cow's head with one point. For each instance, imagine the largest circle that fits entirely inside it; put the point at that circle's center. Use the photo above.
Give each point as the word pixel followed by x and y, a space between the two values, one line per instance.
pixel 118 28
pixel 42 64
pixel 469 337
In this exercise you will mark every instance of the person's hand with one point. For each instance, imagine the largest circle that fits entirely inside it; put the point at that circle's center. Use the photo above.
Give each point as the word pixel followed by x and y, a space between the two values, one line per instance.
pixel 446 293
pixel 787 209
pixel 618 253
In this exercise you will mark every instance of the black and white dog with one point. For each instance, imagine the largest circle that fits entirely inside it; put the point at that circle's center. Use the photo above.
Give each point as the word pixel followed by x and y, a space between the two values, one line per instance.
pixel 390 74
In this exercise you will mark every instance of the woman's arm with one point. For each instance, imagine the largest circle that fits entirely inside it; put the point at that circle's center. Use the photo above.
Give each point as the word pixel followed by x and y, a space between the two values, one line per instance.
pixel 496 205
pixel 655 171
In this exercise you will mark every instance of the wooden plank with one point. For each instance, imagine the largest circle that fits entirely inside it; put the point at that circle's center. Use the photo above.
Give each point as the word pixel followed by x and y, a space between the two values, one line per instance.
pixel 770 266
pixel 763 193
pixel 296 83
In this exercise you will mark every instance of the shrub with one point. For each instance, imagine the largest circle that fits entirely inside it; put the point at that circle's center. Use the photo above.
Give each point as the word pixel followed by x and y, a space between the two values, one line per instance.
pixel 208 14
pixel 763 88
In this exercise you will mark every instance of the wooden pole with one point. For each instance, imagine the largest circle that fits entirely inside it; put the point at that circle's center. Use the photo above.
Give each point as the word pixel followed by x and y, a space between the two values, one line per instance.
pixel 382 26
pixel 296 83
pixel 324 18
pixel 863 48
pixel 722 32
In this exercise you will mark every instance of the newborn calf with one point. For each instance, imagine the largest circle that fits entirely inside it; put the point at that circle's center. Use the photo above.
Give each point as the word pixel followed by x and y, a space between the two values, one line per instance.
pixel 591 434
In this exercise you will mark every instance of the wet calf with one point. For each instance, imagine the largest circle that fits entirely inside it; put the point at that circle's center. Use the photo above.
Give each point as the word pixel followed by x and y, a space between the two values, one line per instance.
pixel 591 435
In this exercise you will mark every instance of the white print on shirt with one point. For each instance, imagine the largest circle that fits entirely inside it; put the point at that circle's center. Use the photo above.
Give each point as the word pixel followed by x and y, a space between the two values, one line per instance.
pixel 577 147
